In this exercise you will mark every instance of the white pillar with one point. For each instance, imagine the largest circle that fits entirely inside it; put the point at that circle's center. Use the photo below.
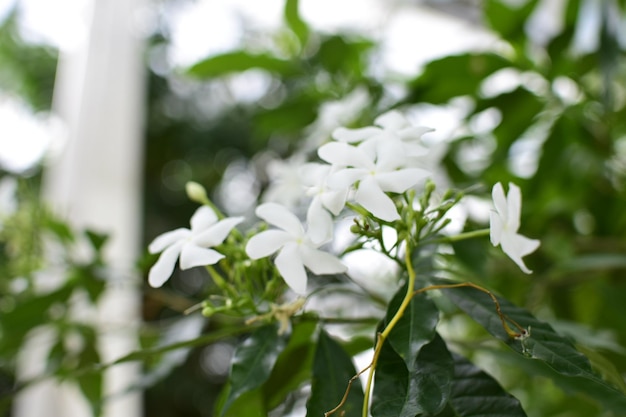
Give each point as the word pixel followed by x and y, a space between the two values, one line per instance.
pixel 95 182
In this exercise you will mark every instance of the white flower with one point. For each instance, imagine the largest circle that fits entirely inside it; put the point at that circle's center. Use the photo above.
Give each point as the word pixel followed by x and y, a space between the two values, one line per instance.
pixel 295 248
pixel 390 126
pixel 504 223
pixel 285 186
pixel 376 170
pixel 191 245
pixel 325 200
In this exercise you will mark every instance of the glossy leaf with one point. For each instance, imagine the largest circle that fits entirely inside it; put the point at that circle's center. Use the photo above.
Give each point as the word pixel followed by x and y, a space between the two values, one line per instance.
pixel 293 366
pixel 415 328
pixel 239 61
pixel 332 369
pixel 544 344
pixel 426 388
pixel 475 393
pixel 454 76
pixel 253 361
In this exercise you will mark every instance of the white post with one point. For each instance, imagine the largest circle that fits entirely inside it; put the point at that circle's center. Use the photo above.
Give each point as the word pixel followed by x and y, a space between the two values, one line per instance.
pixel 96 183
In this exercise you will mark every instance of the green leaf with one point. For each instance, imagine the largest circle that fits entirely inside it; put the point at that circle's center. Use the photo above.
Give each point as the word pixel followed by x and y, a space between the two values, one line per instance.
pixel 332 369
pixel 415 328
pixel 293 366
pixel 239 61
pixel 96 239
pixel 400 393
pixel 253 361
pixel 544 344
pixel 508 21
pixel 454 76
pixel 475 393
pixel 295 22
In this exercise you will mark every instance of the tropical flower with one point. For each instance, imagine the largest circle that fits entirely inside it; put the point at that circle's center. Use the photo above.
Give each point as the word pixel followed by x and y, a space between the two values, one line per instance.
pixel 294 246
pixel 325 200
pixel 504 223
pixel 390 126
pixel 192 246
pixel 374 170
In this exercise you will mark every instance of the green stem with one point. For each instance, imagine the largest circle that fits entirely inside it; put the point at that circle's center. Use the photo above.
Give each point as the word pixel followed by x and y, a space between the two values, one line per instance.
pixel 463 236
pixel 392 323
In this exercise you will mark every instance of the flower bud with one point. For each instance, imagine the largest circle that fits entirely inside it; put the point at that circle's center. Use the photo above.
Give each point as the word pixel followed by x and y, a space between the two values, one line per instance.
pixel 196 192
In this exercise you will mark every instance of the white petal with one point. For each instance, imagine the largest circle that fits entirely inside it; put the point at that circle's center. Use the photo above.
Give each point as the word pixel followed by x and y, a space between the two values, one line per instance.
pixel 495 228
pixel 167 239
pixel 517 246
pixel 413 133
pixel 373 199
pixel 342 154
pixel 279 216
pixel 192 255
pixel 320 223
pixel 320 262
pixel 202 218
pixel 266 243
pixel 164 266
pixel 344 178
pixel 514 207
pixel 390 154
pixel 354 135
pixel 334 200
pixel 313 174
pixel 499 201
pixel 291 268
pixel 402 180
pixel 216 234
pixel 391 120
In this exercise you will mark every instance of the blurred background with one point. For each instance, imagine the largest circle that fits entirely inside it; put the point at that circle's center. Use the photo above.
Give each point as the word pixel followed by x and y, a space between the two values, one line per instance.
pixel 109 107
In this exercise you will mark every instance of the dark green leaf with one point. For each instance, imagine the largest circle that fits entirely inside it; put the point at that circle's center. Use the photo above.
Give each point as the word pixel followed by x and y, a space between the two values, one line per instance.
pixel 96 239
pixel 253 361
pixel 293 366
pixel 90 383
pixel 295 22
pixel 332 369
pixel 475 393
pixel 239 61
pixel 426 388
pixel 415 328
pixel 454 76
pixel 544 344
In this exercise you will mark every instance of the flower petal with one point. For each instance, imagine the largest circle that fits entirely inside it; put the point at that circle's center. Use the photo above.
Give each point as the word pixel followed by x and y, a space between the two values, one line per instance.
pixel 514 207
pixel 499 201
pixel 344 178
pixel 354 135
pixel 517 246
pixel 334 200
pixel 401 180
pixel 279 216
pixel 216 233
pixel 192 255
pixel 202 218
pixel 290 266
pixel 320 262
pixel 392 119
pixel 495 228
pixel 342 154
pixel 373 199
pixel 164 266
pixel 266 243
pixel 319 222
pixel 167 239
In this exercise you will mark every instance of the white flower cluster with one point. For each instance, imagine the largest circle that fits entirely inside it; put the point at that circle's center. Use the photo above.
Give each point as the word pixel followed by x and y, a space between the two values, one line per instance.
pixel 361 166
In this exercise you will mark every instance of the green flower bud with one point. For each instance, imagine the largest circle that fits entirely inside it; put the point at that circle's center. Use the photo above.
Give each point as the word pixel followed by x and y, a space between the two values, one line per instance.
pixel 196 192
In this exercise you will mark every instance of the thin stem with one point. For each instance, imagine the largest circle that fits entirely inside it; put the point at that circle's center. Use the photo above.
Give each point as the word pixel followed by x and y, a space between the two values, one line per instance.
pixel 463 236
pixel 392 323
